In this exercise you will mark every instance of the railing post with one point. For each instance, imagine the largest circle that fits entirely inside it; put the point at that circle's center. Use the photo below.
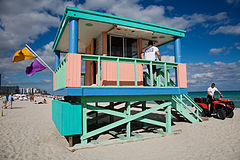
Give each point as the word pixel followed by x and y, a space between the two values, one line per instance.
pixel 151 74
pixel 99 71
pixel 135 71
pixel 117 71
pixel 165 74
pixel 168 78
pixel 158 78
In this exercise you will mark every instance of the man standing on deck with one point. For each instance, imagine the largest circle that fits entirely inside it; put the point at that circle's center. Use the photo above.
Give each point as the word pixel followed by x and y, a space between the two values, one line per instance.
pixel 149 53
pixel 210 95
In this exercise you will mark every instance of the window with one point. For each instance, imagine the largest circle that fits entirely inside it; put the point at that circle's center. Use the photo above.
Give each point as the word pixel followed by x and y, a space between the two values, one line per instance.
pixel 122 47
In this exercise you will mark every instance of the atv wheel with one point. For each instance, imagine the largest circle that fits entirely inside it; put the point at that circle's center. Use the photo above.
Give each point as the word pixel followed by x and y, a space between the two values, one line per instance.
pixel 230 115
pixel 221 114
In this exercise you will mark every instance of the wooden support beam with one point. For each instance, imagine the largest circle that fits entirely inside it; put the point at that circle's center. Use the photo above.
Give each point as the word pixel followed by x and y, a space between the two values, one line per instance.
pixel 128 113
pixel 70 141
pixel 112 108
pixel 121 122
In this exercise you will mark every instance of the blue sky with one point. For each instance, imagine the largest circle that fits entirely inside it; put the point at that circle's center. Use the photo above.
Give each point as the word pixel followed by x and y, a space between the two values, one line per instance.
pixel 211 47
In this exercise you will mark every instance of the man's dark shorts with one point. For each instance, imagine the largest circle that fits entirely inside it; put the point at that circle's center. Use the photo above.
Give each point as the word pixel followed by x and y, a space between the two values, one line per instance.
pixel 209 99
pixel 153 69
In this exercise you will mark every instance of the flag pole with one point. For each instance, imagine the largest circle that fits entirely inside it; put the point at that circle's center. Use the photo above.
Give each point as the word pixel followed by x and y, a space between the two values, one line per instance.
pixel 39 58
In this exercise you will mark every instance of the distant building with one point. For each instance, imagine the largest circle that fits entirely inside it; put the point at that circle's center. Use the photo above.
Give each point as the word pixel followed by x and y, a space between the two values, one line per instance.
pixel 9 90
pixel 22 90
pixel 32 91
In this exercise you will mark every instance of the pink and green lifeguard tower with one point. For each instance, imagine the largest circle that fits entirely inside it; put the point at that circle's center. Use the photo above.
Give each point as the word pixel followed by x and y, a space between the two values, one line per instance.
pixel 102 65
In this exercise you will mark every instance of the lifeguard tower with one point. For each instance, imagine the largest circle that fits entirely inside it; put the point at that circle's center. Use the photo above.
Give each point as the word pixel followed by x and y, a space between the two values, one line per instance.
pixel 102 65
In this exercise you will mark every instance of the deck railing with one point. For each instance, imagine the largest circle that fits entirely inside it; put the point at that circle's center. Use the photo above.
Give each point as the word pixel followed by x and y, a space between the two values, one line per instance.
pixel 163 69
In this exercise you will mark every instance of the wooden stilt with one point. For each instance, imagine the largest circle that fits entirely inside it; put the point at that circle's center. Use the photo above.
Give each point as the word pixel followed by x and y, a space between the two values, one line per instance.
pixel 70 141
pixel 111 107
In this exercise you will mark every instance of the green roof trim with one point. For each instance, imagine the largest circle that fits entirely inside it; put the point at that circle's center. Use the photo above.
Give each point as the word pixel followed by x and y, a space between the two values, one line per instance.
pixel 111 19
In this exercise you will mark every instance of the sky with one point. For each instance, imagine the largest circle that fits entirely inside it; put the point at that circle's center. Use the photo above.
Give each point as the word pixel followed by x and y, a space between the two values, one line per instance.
pixel 211 48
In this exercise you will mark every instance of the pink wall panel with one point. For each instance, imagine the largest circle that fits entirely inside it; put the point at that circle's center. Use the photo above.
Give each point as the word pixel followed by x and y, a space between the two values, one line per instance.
pixel 73 70
pixel 182 75
pixel 126 74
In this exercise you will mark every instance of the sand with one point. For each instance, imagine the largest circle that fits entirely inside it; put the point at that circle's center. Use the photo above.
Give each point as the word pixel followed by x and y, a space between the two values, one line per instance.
pixel 27 132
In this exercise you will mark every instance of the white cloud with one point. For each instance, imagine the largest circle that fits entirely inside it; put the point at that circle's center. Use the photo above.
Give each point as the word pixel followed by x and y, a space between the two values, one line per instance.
pixel 170 46
pixel 23 21
pixel 168 58
pixel 233 2
pixel 47 81
pixel 9 68
pixel 225 75
pixel 229 29
pixel 201 75
pixel 215 51
pixel 152 13
pixel 170 8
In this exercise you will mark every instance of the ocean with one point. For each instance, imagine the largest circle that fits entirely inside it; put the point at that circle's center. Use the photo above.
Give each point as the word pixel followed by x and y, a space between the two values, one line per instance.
pixel 232 95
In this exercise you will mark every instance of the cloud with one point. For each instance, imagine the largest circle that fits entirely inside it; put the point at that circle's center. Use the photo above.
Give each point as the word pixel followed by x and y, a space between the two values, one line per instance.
pixel 23 21
pixel 229 29
pixel 216 51
pixel 170 8
pixel 225 75
pixel 235 2
pixel 9 68
pixel 168 58
pixel 47 81
pixel 152 13
pixel 201 75
pixel 170 46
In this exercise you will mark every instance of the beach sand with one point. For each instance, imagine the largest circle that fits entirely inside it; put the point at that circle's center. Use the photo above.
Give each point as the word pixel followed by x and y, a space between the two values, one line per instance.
pixel 27 132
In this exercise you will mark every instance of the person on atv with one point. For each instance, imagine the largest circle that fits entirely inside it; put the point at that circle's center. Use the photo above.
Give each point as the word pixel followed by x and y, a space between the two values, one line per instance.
pixel 210 95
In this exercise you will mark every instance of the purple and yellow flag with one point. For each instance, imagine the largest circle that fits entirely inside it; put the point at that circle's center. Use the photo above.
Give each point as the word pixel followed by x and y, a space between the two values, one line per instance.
pixel 23 54
pixel 35 66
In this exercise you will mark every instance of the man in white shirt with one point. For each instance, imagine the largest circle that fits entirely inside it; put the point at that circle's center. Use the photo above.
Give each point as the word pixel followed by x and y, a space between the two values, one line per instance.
pixel 210 94
pixel 149 54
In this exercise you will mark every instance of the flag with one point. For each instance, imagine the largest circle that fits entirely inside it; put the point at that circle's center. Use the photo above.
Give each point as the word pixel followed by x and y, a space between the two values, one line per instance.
pixel 35 66
pixel 23 54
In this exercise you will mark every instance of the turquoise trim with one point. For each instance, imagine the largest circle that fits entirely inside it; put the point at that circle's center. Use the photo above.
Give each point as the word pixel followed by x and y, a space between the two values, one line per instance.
pixel 118 91
pixel 111 19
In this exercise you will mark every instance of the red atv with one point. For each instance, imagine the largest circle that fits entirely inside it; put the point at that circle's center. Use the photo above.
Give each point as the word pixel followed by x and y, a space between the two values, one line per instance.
pixel 222 108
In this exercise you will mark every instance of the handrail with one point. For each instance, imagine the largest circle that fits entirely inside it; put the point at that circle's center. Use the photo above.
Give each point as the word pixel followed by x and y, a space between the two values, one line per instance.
pixel 98 58
pixel 176 99
pixel 165 66
pixel 193 103
pixel 127 60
